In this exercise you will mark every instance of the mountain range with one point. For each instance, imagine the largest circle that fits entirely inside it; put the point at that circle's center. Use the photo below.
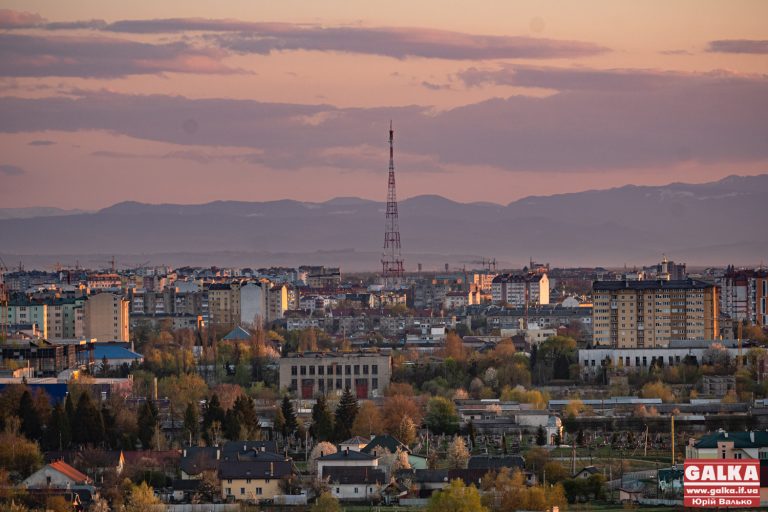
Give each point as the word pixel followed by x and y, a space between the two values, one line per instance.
pixel 712 223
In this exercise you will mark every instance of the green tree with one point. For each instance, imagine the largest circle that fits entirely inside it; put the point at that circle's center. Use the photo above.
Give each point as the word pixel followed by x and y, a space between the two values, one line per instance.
pixel 322 421
pixel 541 436
pixel 69 409
pixel 441 416
pixel 214 414
pixel 147 422
pixel 30 419
pixel 88 427
pixel 242 423
pixel 192 423
pixel 346 412
pixel 142 498
pixel 58 434
pixel 289 416
pixel 326 503
pixel 456 497
pixel 111 435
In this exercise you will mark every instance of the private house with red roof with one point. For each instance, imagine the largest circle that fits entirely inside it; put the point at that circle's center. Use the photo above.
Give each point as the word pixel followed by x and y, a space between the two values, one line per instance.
pixel 56 475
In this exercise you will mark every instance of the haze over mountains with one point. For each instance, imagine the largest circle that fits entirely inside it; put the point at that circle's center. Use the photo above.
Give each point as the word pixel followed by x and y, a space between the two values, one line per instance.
pixel 719 222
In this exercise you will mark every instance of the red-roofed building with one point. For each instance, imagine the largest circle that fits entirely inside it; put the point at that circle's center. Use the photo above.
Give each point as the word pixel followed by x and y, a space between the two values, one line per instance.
pixel 56 475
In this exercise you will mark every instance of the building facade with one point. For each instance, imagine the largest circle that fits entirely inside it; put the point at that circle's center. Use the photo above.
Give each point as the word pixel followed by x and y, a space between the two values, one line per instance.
pixel 520 289
pixel 312 373
pixel 106 317
pixel 647 314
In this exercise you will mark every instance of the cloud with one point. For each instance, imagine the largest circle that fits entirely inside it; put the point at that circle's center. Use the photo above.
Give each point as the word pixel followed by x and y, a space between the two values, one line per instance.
pixel 11 170
pixel 265 38
pixel 738 46
pixel 27 55
pixel 10 19
pixel 598 121
pixel 435 87
pixel 608 80
pixel 676 52
pixel 41 143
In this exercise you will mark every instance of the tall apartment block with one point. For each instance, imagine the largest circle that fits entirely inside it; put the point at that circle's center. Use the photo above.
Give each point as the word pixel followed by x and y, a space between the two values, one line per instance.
pixel 647 314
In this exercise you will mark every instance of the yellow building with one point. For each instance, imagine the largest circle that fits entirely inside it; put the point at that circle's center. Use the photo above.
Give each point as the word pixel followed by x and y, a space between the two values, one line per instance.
pixel 257 478
pixel 647 314
pixel 106 317
pixel 224 303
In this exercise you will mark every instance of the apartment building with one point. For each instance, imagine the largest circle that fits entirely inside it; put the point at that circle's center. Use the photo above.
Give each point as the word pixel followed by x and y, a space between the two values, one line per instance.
pixel 311 373
pixel 520 289
pixel 106 317
pixel 647 314
pixel 743 295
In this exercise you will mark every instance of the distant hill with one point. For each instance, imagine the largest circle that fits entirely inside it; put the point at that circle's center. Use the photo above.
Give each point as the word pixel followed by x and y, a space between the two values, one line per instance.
pixel 719 222
pixel 43 211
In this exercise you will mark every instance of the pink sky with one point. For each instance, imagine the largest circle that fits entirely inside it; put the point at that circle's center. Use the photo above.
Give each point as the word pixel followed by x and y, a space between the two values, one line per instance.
pixel 194 101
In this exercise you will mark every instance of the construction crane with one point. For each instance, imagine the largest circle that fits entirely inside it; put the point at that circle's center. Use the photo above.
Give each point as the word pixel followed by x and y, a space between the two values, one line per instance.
pixel 488 264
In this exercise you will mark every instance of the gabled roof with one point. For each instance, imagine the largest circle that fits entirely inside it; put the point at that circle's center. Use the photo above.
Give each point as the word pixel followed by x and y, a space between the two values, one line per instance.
pixel 254 469
pixel 230 449
pixel 199 459
pixel 353 475
pixel 347 455
pixel 112 351
pixel 68 471
pixel 238 334
pixel 592 470
pixel 357 440
pixel 379 443
pixel 739 439
pixel 496 462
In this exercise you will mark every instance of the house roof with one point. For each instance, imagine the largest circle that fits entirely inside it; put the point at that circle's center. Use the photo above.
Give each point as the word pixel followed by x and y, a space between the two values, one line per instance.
pixel 379 443
pixel 68 471
pixel 347 455
pixel 739 439
pixel 186 485
pixel 199 459
pixel 231 449
pixel 110 351
pixel 357 440
pixel 496 462
pixel 237 334
pixel 423 475
pixel 254 469
pixel 353 475
pixel 589 469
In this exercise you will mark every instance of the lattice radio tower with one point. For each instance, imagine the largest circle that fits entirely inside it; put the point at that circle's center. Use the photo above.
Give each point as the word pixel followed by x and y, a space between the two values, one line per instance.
pixel 392 259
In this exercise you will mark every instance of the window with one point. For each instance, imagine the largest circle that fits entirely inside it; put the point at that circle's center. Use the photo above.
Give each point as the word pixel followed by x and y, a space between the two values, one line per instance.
pixel 375 369
pixel 229 481
pixel 375 383
pixel 248 481
pixel 311 370
pixel 338 383
pixel 320 370
pixel 348 383
pixel 303 370
pixel 355 490
pixel 365 369
pixel 259 492
pixel 242 490
pixel 229 491
pixel 357 369
pixel 348 369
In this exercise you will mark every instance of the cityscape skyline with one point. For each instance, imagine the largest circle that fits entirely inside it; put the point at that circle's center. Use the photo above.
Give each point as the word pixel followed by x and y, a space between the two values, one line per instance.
pixel 493 103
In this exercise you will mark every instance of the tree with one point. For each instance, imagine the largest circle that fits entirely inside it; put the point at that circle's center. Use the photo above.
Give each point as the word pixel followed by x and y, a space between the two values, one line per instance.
pixel 17 453
pixel 322 421
pixel 658 390
pixel 397 406
pixel 454 348
pixel 214 415
pixel 141 498
pixel 192 423
pixel 346 411
pixel 541 436
pixel 320 450
pixel 147 421
pixel 368 420
pixel 406 432
pixel 458 455
pixel 88 427
pixel 289 415
pixel 326 503
pixel 244 414
pixel 58 433
pixel 441 416
pixel 30 420
pixel 456 497
pixel 109 421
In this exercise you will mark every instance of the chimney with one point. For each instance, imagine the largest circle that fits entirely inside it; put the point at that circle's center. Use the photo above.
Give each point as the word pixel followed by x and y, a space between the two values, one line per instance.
pixel 346 451
pixel 184 453
pixel 271 469
pixel 245 447
pixel 263 448
pixel 752 436
pixel 218 453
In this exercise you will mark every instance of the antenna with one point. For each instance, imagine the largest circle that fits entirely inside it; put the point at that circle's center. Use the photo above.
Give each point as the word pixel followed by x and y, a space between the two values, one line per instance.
pixel 391 259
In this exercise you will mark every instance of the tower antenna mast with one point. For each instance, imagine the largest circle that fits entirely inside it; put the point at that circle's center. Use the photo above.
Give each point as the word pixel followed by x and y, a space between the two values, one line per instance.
pixel 391 259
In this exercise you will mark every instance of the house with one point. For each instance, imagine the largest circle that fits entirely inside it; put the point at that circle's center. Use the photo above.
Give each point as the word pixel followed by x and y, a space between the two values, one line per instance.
pixel 346 458
pixel 184 490
pixel 488 462
pixel 356 443
pixel 379 445
pixel 729 445
pixel 630 495
pixel 196 460
pixel 355 483
pixel 586 472
pixel 165 461
pixel 256 479
pixel 56 475
pixel 236 450
pixel 115 355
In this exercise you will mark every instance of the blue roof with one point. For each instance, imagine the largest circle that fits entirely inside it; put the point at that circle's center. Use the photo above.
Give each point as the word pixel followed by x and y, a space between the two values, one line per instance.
pixel 113 352
pixel 237 334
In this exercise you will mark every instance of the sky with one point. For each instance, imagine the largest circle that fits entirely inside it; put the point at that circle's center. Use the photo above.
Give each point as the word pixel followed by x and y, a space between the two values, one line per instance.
pixel 187 101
